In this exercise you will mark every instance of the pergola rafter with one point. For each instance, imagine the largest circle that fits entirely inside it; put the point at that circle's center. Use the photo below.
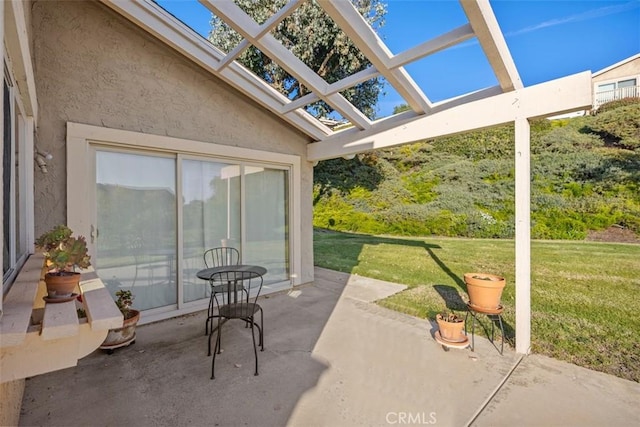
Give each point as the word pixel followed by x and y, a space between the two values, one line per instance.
pixel 362 35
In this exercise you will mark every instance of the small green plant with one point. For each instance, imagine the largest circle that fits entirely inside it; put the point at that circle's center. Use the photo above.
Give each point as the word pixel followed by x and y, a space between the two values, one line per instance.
pixel 124 301
pixel 62 251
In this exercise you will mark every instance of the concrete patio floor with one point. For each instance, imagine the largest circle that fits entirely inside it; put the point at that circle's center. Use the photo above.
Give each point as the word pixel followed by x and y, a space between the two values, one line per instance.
pixel 332 358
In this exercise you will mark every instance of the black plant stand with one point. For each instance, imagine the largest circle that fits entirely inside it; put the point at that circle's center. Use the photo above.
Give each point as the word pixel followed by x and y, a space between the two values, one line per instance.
pixel 492 314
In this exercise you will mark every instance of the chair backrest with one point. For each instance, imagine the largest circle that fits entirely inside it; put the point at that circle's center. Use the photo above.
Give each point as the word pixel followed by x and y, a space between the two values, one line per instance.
pixel 239 283
pixel 218 257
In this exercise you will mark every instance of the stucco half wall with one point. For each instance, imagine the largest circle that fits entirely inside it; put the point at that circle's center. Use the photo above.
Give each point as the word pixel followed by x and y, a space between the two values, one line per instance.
pixel 92 66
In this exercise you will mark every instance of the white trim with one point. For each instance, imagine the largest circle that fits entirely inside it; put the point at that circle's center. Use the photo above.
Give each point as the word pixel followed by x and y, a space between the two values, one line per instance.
pixel 2 69
pixel 27 161
pixel 17 42
pixel 173 144
pixel 20 189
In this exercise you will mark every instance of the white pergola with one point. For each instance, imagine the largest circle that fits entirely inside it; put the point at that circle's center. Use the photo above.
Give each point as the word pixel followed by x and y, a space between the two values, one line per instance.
pixel 506 102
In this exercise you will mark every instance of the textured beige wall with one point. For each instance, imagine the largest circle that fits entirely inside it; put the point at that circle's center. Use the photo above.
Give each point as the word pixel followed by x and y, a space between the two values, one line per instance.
pixel 631 68
pixel 93 66
pixel 10 402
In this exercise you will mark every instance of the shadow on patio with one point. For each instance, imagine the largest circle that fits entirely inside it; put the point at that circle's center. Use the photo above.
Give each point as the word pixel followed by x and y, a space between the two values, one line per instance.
pixel 332 358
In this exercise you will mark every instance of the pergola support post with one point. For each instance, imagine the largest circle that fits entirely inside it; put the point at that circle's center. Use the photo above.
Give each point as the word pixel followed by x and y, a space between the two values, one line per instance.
pixel 523 235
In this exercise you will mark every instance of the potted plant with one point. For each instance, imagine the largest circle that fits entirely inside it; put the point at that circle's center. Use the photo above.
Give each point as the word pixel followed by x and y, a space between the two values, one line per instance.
pixel 485 290
pixel 63 254
pixel 125 335
pixel 450 326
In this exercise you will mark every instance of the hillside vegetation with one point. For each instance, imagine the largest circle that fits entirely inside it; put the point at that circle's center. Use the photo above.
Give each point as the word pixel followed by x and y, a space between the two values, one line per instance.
pixel 585 178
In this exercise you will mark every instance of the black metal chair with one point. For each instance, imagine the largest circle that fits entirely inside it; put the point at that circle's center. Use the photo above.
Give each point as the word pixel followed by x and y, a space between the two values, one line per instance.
pixel 217 257
pixel 239 307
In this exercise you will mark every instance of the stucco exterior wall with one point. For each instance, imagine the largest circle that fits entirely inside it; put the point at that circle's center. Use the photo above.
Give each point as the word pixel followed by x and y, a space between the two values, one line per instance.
pixel 93 66
pixel 630 69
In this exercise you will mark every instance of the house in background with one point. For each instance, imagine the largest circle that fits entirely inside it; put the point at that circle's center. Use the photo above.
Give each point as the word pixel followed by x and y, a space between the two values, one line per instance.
pixel 617 81
pixel 123 123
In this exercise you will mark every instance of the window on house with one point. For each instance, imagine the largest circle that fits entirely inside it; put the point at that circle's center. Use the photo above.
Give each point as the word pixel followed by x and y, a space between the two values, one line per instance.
pixel 14 247
pixel 14 183
pixel 612 91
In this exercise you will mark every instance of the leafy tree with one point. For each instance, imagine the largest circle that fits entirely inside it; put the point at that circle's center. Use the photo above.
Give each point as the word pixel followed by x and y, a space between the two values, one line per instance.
pixel 400 108
pixel 313 37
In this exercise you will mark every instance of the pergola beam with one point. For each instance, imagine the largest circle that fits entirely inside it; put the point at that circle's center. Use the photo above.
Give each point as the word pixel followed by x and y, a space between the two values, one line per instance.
pixel 558 96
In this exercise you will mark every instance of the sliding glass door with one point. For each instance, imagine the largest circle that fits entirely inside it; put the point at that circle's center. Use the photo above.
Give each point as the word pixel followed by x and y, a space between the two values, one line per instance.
pixel 266 212
pixel 210 217
pixel 157 214
pixel 136 223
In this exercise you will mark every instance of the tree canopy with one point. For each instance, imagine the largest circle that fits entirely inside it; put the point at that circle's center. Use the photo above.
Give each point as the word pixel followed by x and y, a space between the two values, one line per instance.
pixel 313 37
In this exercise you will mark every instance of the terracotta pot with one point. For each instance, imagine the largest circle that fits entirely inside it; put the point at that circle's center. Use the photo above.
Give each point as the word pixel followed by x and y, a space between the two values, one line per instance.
pixel 61 285
pixel 450 331
pixel 122 336
pixel 485 290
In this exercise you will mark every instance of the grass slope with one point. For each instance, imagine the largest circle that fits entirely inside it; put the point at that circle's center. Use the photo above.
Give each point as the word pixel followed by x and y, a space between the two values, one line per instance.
pixel 585 308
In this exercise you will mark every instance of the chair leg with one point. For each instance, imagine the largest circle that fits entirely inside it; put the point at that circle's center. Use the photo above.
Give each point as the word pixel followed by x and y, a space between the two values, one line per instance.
pixel 255 348
pixel 216 350
pixel 209 314
pixel 261 330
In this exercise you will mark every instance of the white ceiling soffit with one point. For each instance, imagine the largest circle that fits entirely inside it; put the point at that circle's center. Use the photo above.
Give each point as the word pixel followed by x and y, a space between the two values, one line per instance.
pixel 482 24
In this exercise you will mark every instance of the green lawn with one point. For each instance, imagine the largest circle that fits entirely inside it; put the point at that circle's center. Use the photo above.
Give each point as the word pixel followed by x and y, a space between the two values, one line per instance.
pixel 585 308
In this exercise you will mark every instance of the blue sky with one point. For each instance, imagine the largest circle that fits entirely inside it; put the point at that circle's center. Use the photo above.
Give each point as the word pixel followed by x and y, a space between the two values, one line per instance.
pixel 548 39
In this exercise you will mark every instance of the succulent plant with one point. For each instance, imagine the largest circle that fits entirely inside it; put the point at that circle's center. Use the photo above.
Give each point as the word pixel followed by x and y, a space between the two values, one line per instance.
pixel 63 252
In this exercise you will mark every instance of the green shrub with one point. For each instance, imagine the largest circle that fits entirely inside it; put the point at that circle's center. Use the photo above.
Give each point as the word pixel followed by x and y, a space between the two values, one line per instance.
pixel 463 185
pixel 609 106
pixel 619 127
pixel 556 225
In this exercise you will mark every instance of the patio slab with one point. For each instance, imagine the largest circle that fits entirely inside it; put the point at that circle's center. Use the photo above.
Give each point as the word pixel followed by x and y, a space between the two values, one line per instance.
pixel 332 358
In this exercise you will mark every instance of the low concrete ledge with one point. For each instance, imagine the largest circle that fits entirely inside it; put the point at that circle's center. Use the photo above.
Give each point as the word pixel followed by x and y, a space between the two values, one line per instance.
pixel 30 346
